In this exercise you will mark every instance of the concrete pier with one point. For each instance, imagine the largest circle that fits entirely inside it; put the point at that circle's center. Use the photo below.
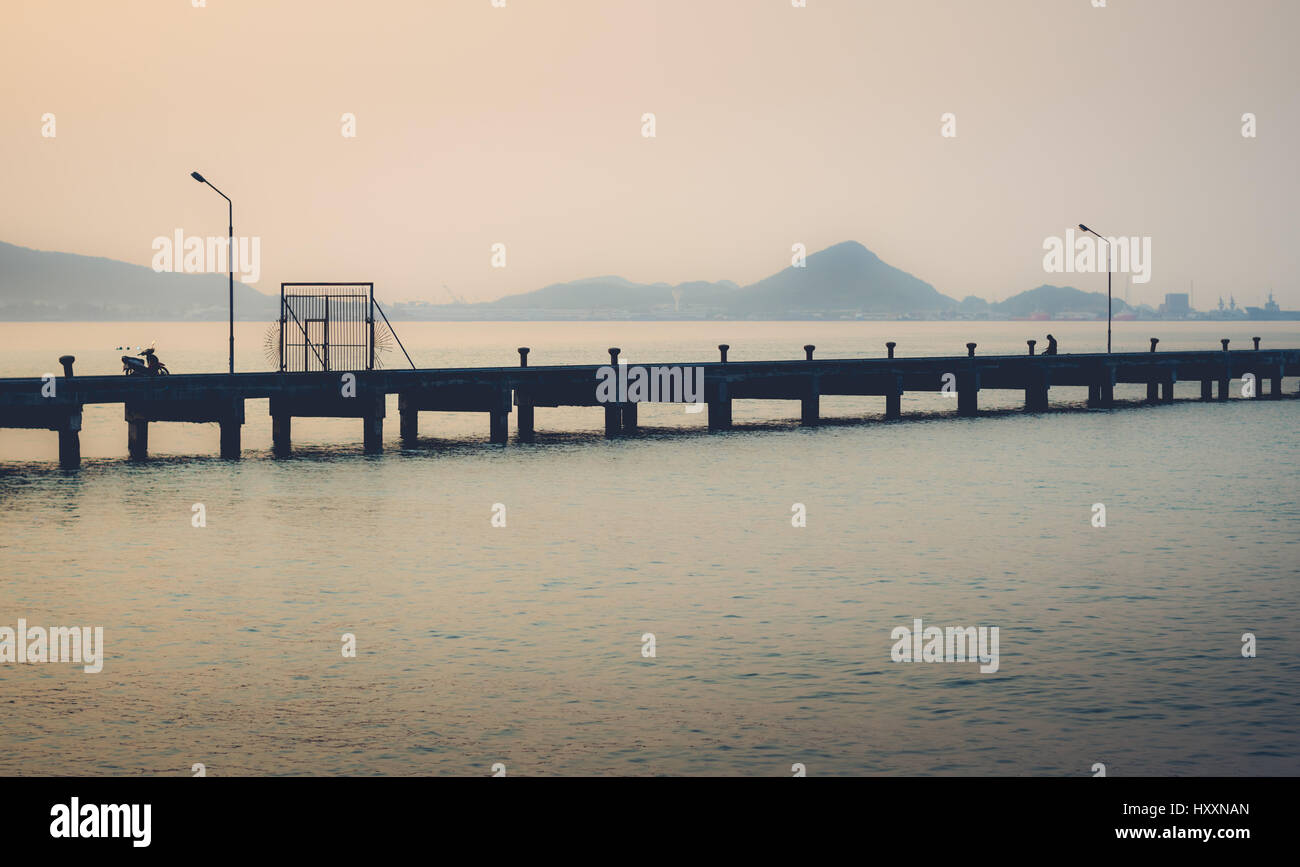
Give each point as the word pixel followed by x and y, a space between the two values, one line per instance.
pixel 56 404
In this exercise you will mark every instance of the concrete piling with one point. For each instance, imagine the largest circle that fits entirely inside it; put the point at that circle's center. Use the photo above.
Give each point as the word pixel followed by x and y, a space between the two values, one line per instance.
pixel 613 420
pixel 720 409
pixel 1153 385
pixel 1036 392
pixel 498 426
pixel 408 421
pixel 894 399
pixel 281 434
pixel 968 389
pixel 810 403
pixel 137 437
pixel 70 441
pixel 372 422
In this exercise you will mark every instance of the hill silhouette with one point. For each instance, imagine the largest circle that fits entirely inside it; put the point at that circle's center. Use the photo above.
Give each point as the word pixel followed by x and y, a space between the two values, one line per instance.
pixel 41 285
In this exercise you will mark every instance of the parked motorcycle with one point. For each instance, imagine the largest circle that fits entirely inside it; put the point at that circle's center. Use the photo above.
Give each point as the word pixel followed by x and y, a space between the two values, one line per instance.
pixel 151 365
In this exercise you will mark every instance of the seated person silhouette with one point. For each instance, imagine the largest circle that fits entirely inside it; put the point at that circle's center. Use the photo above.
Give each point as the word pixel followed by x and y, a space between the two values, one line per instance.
pixel 1051 346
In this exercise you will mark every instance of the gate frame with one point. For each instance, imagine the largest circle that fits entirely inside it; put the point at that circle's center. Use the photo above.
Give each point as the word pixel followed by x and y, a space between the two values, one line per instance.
pixel 369 286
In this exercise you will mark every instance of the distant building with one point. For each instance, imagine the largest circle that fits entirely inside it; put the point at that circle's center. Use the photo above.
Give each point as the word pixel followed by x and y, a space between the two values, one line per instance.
pixel 1176 304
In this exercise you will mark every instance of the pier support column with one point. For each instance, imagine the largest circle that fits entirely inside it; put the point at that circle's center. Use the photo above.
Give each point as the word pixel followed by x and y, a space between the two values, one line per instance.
pixel 281 427
pixel 1207 389
pixel 1167 388
pixel 231 421
pixel 1275 384
pixel 527 431
pixel 230 438
pixel 613 420
pixel 810 403
pixel 408 422
pixel 894 399
pixel 70 442
pixel 720 409
pixel 1224 385
pixel 629 418
pixel 372 436
pixel 968 391
pixel 1036 393
pixel 1101 395
pixel 1101 391
pixel 498 426
pixel 1153 385
pixel 137 437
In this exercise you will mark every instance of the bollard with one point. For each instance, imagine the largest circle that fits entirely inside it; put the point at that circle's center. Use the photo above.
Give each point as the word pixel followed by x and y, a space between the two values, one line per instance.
pixel 1224 341
pixel 970 349
pixel 1031 345
pixel 523 356
pixel 1256 339
pixel 613 354
pixel 808 351
pixel 66 361
pixel 890 346
pixel 1154 341
pixel 722 348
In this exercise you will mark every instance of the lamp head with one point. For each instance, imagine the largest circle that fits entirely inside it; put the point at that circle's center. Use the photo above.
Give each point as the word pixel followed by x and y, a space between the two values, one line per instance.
pixel 198 177
pixel 1081 225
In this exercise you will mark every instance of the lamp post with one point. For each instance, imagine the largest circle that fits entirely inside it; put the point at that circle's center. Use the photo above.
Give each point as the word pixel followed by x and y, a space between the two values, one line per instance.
pixel 1109 264
pixel 230 259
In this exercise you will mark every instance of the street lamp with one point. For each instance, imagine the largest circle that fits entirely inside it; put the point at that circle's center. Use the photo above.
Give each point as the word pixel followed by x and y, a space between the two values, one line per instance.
pixel 230 260
pixel 1109 263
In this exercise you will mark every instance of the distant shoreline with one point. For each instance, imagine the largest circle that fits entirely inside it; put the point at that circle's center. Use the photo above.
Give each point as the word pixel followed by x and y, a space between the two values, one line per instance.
pixel 570 319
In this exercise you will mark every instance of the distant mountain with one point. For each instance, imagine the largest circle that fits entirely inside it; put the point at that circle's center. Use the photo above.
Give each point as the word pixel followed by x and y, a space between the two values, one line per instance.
pixel 844 281
pixel 845 278
pixel 1055 300
pixel 39 285
pixel 617 294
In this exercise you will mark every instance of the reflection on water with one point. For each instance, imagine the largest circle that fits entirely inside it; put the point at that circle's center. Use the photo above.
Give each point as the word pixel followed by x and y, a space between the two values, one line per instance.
pixel 522 644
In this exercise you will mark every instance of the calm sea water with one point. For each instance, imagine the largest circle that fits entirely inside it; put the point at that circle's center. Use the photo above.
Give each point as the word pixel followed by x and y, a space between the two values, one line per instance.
pixel 522 644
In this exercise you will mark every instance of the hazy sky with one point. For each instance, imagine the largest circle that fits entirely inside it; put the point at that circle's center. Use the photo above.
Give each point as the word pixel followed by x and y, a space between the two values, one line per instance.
pixel 522 125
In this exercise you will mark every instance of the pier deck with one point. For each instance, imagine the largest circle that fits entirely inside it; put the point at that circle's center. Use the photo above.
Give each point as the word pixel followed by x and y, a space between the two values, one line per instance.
pixel 55 402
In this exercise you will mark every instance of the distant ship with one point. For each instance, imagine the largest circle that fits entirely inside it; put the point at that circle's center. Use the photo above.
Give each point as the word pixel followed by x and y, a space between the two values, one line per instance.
pixel 1271 310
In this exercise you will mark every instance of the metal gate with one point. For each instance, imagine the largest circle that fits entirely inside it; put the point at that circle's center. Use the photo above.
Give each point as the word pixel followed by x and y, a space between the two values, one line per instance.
pixel 327 326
